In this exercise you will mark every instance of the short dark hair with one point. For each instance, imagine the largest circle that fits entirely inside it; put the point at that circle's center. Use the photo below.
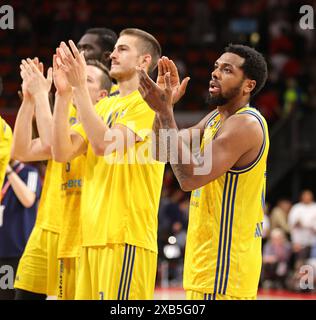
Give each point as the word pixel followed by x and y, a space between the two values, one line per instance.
pixel 254 67
pixel 106 81
pixel 149 44
pixel 107 37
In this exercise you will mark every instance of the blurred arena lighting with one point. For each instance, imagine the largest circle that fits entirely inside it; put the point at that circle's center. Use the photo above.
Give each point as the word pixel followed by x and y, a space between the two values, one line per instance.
pixel 254 38
pixel 172 251
pixel 172 240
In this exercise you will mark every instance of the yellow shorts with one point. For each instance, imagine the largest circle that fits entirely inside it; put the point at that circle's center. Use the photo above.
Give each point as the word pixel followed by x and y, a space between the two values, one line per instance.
pixel 116 272
pixel 195 295
pixel 37 270
pixel 68 275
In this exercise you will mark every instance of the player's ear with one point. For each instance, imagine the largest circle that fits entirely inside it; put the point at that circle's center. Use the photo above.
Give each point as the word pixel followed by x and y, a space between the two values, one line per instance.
pixel 249 86
pixel 145 61
pixel 102 94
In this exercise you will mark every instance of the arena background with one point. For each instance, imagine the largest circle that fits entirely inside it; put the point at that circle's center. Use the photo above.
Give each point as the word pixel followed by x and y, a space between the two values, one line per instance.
pixel 193 33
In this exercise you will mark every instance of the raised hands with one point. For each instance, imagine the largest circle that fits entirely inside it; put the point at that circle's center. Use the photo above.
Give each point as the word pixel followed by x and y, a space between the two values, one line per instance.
pixel 34 82
pixel 159 98
pixel 59 76
pixel 168 90
pixel 73 63
pixel 178 89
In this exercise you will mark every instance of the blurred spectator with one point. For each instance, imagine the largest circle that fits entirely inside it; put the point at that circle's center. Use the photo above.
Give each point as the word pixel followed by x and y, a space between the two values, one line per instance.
pixel 276 255
pixel 24 29
pixel 281 43
pixel 82 17
pixel 302 222
pixel 279 216
pixel 62 20
pixel 172 227
pixel 201 28
pixel 266 225
pixel 278 61
pixel 294 97
pixel 20 193
pixel 180 230
pixel 292 68
pixel 171 218
pixel 269 104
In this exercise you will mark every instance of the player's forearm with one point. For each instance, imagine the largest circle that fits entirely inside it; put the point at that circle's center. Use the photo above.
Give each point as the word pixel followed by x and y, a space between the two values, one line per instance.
pixel 21 190
pixel 156 142
pixel 93 125
pixel 44 119
pixel 182 160
pixel 22 134
pixel 61 142
pixel 156 125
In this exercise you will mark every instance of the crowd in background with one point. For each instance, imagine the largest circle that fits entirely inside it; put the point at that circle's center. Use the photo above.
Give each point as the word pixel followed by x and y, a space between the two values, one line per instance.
pixel 192 32
pixel 289 244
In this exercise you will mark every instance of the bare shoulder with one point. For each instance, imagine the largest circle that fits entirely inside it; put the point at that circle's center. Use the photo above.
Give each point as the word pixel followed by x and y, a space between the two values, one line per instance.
pixel 243 128
pixel 243 122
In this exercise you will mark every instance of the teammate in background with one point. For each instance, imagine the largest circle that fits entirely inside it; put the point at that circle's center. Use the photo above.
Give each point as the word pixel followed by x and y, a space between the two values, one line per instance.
pixel 5 151
pixel 39 275
pixel 223 248
pixel 99 85
pixel 97 44
pixel 119 201
pixel 20 193
pixel 37 270
pixel 57 230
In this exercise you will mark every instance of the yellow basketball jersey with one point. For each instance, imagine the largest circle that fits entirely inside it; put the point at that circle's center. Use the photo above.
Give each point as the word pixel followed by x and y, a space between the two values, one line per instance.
pixel 50 210
pixel 120 201
pixel 223 248
pixel 114 90
pixel 71 185
pixel 5 148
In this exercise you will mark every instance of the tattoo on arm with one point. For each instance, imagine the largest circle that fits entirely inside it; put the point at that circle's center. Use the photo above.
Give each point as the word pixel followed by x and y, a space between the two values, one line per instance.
pixel 156 126
pixel 182 159
pixel 155 146
pixel 163 98
pixel 180 169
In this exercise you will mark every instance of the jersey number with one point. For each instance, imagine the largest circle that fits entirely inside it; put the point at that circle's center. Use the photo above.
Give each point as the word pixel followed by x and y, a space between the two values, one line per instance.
pixel 67 166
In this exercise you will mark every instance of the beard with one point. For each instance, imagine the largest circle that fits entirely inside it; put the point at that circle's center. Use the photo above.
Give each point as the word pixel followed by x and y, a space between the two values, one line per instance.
pixel 220 99
pixel 120 74
pixel 216 101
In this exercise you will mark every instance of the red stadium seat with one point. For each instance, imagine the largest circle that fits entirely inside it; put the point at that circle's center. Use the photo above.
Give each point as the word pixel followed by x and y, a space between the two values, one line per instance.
pixel 11 87
pixel 5 68
pixel 25 52
pixel 193 56
pixel 5 51
pixel 2 102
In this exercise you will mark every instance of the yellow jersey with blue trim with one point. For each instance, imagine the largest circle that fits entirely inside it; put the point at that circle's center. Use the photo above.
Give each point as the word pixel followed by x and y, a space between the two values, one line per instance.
pixel 49 211
pixel 120 196
pixel 51 206
pixel 223 248
pixel 114 90
pixel 72 179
